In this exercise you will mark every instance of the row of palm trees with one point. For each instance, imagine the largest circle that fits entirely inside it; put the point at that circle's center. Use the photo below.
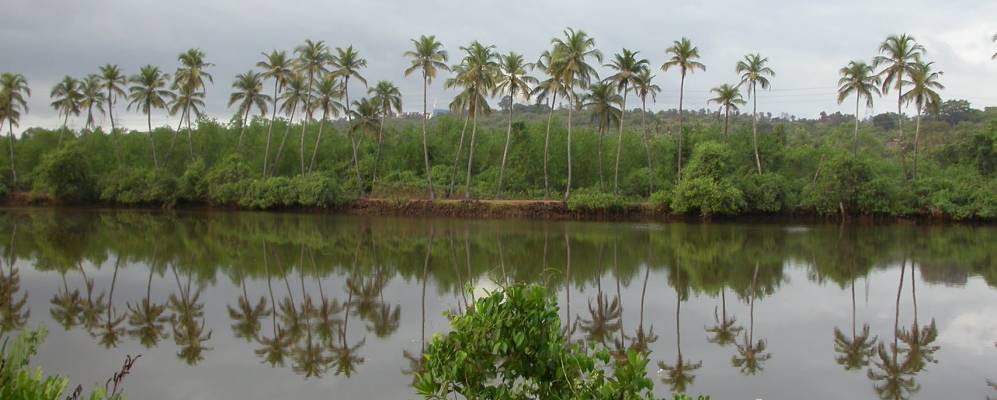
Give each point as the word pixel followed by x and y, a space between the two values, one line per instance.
pixel 902 65
pixel 316 79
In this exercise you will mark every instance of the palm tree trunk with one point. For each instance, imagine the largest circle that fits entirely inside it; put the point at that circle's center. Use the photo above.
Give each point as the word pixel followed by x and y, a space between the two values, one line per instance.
pixel 647 145
pixel 619 293
pixel 681 93
pixel 90 123
pixel 567 286
pixel 855 136
pixel 377 157
pixel 190 139
pixel 505 151
pixel 619 143
pixel 114 132
pixel 900 128
pixel 425 146
pixel 10 135
pixel 917 133
pixel 550 116
pixel 571 104
pixel 242 132
pixel 283 140
pixel 598 147
pixel 353 140
pixel 456 157
pixel 65 128
pixel 304 124
pixel 152 139
pixel 266 152
pixel 754 125
pixel 726 121
pixel 470 155
pixel 318 139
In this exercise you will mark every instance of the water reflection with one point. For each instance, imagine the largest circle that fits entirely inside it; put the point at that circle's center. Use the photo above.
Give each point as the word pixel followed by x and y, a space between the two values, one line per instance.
pixel 323 296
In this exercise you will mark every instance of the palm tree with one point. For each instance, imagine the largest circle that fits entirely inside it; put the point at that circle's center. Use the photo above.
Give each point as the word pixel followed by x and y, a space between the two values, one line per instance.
pixel 347 63
pixel 627 68
pixel 247 315
pixel 92 96
pixel 898 54
pixel 923 83
pixel 896 375
pixel 859 79
pixel 513 81
pixel 549 88
pixel 754 73
pixel 386 96
pixel 429 57
pixel 680 374
pixel 751 354
pixel 684 57
pixel 112 330
pixel 66 309
pixel 726 330
pixel 644 87
pixel 148 92
pixel 569 62
pixel 293 97
pixel 601 100
pixel 188 322
pixel 248 93
pixel 113 80
pixel 189 83
pixel 919 339
pixel 311 61
pixel 66 100
pixel 13 90
pixel 477 75
pixel 729 98
pixel 277 67
pixel 327 95
pixel 187 101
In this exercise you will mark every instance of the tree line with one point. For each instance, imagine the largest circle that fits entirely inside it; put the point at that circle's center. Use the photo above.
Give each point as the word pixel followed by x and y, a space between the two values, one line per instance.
pixel 312 83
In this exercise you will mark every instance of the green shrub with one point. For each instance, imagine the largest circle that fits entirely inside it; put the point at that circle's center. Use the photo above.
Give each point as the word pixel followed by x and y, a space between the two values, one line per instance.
pixel 707 196
pixel 223 180
pixel 316 190
pixel 193 185
pixel 18 381
pixel 768 192
pixel 4 191
pixel 510 346
pixel 267 193
pixel 65 175
pixel 709 159
pixel 595 201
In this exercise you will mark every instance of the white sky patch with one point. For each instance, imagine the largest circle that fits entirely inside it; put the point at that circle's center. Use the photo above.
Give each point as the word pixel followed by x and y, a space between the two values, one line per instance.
pixel 973 331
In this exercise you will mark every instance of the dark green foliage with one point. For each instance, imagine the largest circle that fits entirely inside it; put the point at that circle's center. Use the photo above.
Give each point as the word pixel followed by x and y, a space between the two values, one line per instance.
pixel 766 193
pixel 139 187
pixel 707 197
pixel 593 201
pixel 509 346
pixel 19 382
pixel 65 175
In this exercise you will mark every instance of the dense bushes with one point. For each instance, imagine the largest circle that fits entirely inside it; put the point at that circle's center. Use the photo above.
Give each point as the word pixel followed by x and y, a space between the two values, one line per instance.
pixel 590 200
pixel 509 346
pixel 64 174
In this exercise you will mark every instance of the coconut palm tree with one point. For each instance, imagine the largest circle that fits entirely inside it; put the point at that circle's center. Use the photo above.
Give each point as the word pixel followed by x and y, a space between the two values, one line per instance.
pixel 366 117
pixel 311 63
pixel 113 79
pixel 461 103
pixel 924 87
pixel 478 75
pixel 550 88
pixel 858 78
pixel 569 61
pixel 67 97
pixel 327 95
pixel 428 57
pixel 684 56
pixel 898 55
pixel 601 101
pixel 13 314
pixel 728 97
pixel 295 91
pixel 13 91
pixel 147 93
pixel 513 81
pixel 627 67
pixel 92 96
pixel 895 374
pixel 189 82
pixel 277 67
pixel 919 339
pixel 388 99
pixel 754 73
pixel 187 101
pixel 248 94
pixel 346 64
pixel 644 86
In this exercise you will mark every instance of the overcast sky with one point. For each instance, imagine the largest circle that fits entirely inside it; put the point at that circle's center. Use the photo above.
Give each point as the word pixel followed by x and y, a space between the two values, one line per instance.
pixel 806 42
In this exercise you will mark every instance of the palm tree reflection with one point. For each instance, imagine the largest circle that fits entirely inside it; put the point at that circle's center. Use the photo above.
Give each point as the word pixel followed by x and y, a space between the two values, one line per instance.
pixel 66 310
pixel 147 320
pixel 726 329
pixel 111 329
pixel 678 376
pixel 854 352
pixel 895 376
pixel 188 322
pixel 751 355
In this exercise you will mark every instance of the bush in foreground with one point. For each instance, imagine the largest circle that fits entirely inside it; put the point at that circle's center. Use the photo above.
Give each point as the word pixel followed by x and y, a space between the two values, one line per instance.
pixel 510 346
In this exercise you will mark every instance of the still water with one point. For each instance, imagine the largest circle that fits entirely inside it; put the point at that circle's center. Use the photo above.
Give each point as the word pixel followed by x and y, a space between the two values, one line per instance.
pixel 225 305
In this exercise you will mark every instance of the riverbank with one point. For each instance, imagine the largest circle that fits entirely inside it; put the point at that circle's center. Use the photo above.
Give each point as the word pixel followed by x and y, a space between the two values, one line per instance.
pixel 508 209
